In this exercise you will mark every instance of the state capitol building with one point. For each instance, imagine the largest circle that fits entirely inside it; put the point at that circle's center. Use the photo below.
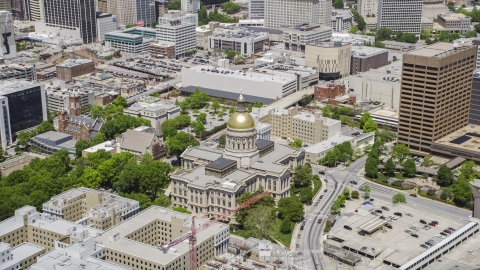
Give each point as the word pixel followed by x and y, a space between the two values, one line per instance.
pixel 210 180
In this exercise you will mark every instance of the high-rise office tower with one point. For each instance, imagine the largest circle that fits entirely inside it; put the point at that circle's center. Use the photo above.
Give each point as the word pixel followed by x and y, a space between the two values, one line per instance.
pixel 73 13
pixel 256 9
pixel 125 10
pixel 146 11
pixel 291 13
pixel 190 5
pixel 400 15
pixel 36 10
pixel 367 7
pixel 20 9
pixel 5 5
pixel 435 93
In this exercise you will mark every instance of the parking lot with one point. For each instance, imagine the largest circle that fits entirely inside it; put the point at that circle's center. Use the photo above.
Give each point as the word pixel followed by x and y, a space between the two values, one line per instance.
pixel 391 240
pixel 160 67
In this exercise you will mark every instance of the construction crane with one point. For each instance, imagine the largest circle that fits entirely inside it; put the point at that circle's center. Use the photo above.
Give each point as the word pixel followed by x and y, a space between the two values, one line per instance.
pixel 192 234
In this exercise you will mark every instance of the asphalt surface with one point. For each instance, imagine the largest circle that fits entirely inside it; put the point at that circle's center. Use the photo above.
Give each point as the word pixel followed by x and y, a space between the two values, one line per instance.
pixel 310 249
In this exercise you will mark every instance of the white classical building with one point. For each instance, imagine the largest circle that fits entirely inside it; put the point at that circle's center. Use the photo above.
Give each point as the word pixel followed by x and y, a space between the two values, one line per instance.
pixel 210 179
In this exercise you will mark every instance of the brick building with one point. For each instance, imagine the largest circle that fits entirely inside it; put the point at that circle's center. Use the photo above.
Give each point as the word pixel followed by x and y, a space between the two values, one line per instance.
pixel 165 48
pixel 328 91
pixel 79 127
pixel 365 58
pixel 73 68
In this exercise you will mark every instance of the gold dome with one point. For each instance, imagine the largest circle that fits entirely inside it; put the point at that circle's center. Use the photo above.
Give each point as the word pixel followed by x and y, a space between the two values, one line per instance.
pixel 241 120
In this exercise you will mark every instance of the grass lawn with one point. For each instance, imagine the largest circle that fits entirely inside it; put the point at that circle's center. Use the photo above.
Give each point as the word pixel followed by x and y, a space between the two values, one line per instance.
pixel 317 186
pixel 381 177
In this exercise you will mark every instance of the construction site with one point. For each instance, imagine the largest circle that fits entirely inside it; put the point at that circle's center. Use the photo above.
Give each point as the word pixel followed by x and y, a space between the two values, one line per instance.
pixel 250 254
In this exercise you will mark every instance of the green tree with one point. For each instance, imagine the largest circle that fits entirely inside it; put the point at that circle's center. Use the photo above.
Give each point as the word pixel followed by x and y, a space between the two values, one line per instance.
pixel 215 105
pixel 366 190
pixel 222 140
pixel 444 176
pixel 468 171
pixel 297 143
pixel 370 126
pixel 471 34
pixel 306 99
pixel 175 5
pixel 355 194
pixel 371 167
pixel 99 138
pixel 96 111
pixel 261 221
pixel 91 178
pixel 37 198
pixel 365 117
pixel 178 143
pixel 349 5
pixel 389 167
pixel 94 159
pixel 169 128
pixel 199 129
pixel 477 28
pixel 427 160
pixel 120 101
pixel 163 201
pixel 400 151
pixel 286 226
pixel 111 169
pixel 201 118
pixel 155 175
pixel 306 195
pixel 231 7
pixel 231 54
pixel 290 207
pixel 353 30
pixel 338 4
pixel 80 146
pixel 302 176
pixel 383 34
pixel 183 120
pixel 409 168
pixel 146 159
pixel 326 112
pixel 346 193
pixel 231 110
pixel 44 127
pixel 399 198
pixel 462 192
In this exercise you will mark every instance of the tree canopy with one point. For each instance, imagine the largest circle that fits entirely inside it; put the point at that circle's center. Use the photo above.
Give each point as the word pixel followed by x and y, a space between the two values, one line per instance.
pixel 444 176
pixel 297 143
pixel 178 143
pixel 399 198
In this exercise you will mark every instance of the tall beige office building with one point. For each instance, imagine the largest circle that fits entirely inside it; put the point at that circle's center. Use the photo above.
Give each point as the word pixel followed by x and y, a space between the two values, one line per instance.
pixel 5 5
pixel 435 93
pixel 36 10
pixel 125 10
pixel 331 59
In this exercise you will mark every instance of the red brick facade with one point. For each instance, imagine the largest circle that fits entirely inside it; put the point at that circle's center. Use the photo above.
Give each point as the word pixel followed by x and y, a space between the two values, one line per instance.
pixel 328 91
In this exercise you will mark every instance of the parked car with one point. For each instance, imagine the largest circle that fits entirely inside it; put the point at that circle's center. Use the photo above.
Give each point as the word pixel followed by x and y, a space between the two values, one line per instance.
pixel 471 252
pixel 347 227
pixel 451 229
pixel 398 214
pixel 378 211
pixel 301 228
pixel 444 234
pixel 436 222
pixel 361 233
pixel 413 195
pixel 432 224
pixel 424 246
pixel 408 231
pixel 363 248
pixel 428 244
pixel 319 220
pixel 423 221
pixel 414 235
pixel 371 199
pixel 408 214
pixel 447 231
pixel 388 226
pixel 385 208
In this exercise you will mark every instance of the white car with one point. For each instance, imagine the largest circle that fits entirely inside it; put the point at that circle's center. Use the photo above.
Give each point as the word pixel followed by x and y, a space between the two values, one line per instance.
pixel 310 220
pixel 471 252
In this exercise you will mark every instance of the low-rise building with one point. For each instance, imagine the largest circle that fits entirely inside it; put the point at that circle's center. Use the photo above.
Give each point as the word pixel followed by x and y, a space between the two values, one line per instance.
pixel 52 141
pixel 330 59
pixel 365 58
pixel 26 254
pixel 252 22
pixel 354 39
pixel 400 46
pixel 58 100
pixel 153 109
pixel 176 15
pixel 28 225
pixel 163 48
pixel 370 23
pixel 263 130
pixel 316 152
pixel 240 40
pixel 309 127
pixel 141 142
pixel 453 23
pixel 108 146
pixel 139 238
pixel 296 39
pixel 229 84
pixel 95 208
pixel 110 83
pixel 17 71
pixel 131 40
pixel 201 36
pixel 181 33
pixel 342 20
pixel 328 90
pixel 74 67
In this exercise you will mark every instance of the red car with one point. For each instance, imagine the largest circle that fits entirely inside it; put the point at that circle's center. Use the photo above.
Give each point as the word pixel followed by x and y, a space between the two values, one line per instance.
pixel 451 229
pixel 447 231
pixel 432 224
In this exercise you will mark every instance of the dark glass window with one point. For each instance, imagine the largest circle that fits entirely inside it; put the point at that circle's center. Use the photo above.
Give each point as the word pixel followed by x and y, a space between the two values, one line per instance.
pixel 25 109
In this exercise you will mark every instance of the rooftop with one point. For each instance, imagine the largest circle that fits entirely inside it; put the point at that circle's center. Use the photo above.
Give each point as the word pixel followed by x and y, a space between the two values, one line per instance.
pixel 20 253
pixel 74 62
pixel 282 78
pixel 328 144
pixel 438 50
pixel 453 16
pixel 148 252
pixel 366 51
pixel 467 138
pixel 12 86
pixel 239 33
pixel 136 140
pixel 107 146
pixel 60 260
pixel 305 116
pixel 197 177
pixel 53 135
pixel 220 164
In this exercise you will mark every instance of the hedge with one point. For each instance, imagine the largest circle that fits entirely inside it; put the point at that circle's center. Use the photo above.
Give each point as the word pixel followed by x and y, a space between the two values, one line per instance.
pixel 216 129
